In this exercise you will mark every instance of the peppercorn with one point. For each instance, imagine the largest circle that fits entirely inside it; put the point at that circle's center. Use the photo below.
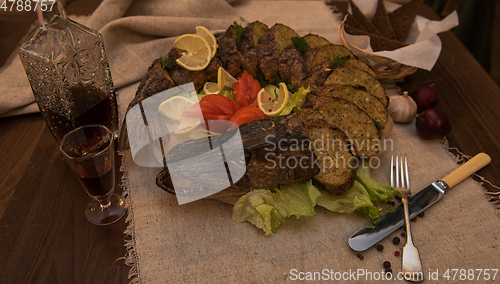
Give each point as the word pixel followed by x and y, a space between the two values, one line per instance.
pixel 360 256
pixel 387 264
pixel 421 214
pixel 388 270
pixel 380 247
pixel 396 240
pixel 414 219
pixel 403 234
pixel 397 253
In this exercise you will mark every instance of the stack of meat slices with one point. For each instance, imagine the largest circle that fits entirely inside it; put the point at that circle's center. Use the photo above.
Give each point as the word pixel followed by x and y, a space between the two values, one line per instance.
pixel 346 102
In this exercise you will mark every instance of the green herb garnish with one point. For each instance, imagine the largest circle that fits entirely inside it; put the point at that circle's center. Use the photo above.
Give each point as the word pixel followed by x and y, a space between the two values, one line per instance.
pixel 239 32
pixel 166 63
pixel 300 44
pixel 338 61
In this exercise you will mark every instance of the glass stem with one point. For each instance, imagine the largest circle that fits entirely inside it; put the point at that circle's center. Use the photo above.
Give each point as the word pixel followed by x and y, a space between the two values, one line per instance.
pixel 104 204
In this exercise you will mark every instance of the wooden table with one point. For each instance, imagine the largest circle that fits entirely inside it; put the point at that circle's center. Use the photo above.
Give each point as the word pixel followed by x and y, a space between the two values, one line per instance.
pixel 44 234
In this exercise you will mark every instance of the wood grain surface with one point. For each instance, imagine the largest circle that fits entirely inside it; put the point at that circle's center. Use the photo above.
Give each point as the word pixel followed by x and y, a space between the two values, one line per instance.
pixel 45 237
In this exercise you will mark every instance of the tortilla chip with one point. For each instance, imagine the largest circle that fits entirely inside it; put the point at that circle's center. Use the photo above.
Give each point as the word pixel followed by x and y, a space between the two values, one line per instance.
pixel 402 17
pixel 382 22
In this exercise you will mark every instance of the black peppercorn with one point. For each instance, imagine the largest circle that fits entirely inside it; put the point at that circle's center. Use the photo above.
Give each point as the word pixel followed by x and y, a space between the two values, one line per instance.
pixel 387 264
pixel 396 240
pixel 380 247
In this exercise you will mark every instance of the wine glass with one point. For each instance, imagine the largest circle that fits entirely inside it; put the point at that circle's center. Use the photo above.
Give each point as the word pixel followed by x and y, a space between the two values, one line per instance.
pixel 89 150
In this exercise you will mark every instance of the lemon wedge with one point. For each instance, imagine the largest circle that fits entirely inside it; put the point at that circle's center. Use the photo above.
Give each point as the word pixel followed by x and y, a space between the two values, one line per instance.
pixel 209 37
pixel 175 106
pixel 272 104
pixel 187 125
pixel 195 50
pixel 224 79
pixel 211 88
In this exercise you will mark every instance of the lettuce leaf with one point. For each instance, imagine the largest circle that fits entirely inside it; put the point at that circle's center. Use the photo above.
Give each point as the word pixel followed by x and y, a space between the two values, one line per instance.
pixel 296 101
pixel 355 199
pixel 378 191
pixel 267 209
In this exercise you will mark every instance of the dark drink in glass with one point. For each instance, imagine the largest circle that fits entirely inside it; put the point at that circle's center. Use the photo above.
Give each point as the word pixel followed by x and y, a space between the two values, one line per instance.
pixel 89 150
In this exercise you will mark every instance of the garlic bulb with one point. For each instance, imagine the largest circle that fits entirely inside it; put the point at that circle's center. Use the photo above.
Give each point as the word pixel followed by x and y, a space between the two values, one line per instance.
pixel 402 108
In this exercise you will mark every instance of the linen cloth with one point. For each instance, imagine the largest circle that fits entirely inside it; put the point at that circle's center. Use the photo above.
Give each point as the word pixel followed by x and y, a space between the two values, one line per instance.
pixel 199 243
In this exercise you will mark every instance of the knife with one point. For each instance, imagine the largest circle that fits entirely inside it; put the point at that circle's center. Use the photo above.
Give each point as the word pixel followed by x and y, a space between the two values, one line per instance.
pixel 391 221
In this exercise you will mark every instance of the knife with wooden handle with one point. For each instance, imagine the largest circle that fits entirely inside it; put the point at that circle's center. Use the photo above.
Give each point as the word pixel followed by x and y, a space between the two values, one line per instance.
pixel 391 221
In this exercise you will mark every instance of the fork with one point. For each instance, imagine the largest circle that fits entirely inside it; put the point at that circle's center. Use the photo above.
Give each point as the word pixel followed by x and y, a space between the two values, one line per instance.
pixel 411 267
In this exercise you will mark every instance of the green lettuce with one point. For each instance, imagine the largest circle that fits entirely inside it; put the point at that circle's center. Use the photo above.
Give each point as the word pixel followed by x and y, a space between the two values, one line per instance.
pixel 355 199
pixel 267 209
pixel 378 191
pixel 296 101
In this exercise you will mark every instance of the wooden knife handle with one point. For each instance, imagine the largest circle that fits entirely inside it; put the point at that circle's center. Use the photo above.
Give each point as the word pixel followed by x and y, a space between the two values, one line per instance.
pixel 470 167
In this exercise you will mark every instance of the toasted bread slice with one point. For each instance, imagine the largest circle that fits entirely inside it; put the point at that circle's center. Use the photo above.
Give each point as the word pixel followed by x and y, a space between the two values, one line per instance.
pixel 353 121
pixel 364 23
pixel 355 77
pixel 333 151
pixel 270 47
pixel 382 22
pixel 402 17
pixel 377 42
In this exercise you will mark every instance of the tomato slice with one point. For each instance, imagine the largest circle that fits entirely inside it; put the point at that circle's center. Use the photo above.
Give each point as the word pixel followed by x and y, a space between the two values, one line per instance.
pixel 246 89
pixel 239 93
pixel 247 114
pixel 227 105
pixel 252 86
pixel 217 123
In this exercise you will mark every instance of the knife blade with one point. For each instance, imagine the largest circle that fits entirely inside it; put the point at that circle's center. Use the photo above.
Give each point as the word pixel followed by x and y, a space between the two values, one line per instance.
pixel 392 220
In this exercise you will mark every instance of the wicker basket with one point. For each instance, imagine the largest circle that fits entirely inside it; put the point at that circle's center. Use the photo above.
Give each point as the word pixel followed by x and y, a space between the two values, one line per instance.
pixel 384 67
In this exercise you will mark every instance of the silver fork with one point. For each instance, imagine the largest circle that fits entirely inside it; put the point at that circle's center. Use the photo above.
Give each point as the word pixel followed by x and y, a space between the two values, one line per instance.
pixel 412 267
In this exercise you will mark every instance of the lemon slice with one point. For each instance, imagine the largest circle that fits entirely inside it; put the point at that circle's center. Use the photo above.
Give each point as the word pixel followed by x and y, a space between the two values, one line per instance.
pixel 174 107
pixel 196 52
pixel 211 88
pixel 209 37
pixel 187 124
pixel 271 106
pixel 225 79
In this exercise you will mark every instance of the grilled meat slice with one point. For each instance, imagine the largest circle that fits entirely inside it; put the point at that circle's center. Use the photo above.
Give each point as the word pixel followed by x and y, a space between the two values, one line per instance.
pixel 228 52
pixel 212 69
pixel 336 161
pixel 270 47
pixel 356 63
pixel 290 65
pixel 347 75
pixel 248 46
pixel 181 76
pixel 156 80
pixel 291 62
pixel 353 121
pixel 357 95
pixel 276 152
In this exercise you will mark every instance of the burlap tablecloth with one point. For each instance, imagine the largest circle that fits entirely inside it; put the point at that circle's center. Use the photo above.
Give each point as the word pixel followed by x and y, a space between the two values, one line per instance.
pixel 199 243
